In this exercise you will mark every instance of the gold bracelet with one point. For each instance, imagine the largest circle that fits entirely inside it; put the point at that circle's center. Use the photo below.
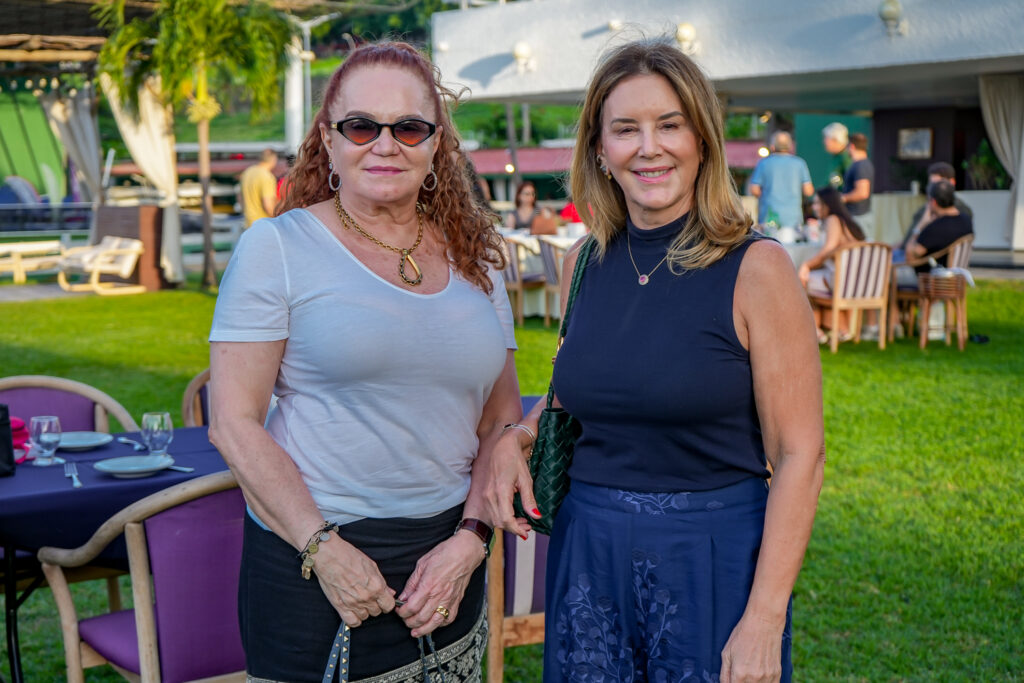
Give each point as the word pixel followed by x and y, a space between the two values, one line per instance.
pixel 322 535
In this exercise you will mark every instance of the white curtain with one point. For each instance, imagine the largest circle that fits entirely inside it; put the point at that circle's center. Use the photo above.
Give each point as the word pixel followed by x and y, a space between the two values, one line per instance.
pixel 70 117
pixel 1002 108
pixel 149 136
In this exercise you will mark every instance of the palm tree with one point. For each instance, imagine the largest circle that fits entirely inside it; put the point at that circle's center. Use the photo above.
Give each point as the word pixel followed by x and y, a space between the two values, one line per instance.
pixel 185 43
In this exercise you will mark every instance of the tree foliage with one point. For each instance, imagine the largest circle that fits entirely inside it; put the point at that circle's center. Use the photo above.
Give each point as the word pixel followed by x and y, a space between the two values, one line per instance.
pixel 187 42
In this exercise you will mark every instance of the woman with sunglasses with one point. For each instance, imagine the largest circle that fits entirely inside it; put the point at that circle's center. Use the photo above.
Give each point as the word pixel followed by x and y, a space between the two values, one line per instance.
pixel 373 307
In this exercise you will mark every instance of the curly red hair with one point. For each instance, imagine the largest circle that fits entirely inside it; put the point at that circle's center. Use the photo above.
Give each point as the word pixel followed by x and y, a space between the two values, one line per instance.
pixel 467 227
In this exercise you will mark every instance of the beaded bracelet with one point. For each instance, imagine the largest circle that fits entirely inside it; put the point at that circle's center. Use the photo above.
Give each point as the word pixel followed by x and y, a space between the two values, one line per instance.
pixel 516 425
pixel 321 535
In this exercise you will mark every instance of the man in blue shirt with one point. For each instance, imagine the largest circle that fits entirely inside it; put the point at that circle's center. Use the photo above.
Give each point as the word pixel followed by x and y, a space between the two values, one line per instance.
pixel 778 182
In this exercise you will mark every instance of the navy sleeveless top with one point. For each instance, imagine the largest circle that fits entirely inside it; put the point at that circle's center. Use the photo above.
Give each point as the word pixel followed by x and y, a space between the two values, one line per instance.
pixel 656 373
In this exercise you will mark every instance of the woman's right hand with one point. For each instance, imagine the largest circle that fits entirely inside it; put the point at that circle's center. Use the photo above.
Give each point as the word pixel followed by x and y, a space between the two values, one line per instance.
pixel 508 473
pixel 351 581
pixel 805 274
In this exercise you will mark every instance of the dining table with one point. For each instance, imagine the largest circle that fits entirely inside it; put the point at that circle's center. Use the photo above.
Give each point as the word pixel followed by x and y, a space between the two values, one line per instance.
pixel 40 507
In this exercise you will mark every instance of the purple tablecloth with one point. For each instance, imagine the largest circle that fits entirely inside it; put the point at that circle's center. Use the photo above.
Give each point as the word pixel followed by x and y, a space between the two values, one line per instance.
pixel 38 506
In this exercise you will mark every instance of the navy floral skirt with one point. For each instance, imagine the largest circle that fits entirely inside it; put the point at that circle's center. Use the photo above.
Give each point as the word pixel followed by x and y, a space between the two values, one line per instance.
pixel 648 586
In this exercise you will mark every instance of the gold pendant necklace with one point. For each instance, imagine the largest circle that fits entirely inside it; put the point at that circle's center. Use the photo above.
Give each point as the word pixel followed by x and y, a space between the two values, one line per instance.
pixel 404 254
pixel 642 278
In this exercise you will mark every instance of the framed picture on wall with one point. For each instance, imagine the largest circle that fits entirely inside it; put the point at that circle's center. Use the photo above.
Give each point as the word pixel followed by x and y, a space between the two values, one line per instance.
pixel 914 143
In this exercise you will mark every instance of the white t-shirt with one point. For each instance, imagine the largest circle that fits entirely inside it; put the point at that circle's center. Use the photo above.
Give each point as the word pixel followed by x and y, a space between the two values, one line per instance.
pixel 380 389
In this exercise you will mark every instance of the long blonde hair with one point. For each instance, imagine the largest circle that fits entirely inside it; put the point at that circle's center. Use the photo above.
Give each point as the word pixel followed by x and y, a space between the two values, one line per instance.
pixel 468 228
pixel 717 221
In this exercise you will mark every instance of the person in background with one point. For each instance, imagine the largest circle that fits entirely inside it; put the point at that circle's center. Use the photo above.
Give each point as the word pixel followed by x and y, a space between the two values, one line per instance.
pixel 947 225
pixel 259 188
pixel 940 170
pixel 283 185
pixel 521 217
pixel 569 213
pixel 690 362
pixel 835 138
pixel 858 183
pixel 780 181
pixel 817 273
pixel 374 307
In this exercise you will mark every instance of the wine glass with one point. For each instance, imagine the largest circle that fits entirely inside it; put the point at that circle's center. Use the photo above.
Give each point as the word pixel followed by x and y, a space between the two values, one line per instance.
pixel 45 432
pixel 157 432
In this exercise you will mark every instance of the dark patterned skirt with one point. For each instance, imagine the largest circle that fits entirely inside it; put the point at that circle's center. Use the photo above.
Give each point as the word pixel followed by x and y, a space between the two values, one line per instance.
pixel 648 586
pixel 288 625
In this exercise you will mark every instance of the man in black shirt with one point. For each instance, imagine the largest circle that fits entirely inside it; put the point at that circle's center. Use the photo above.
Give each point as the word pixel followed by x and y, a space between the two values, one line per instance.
pixel 947 226
pixel 940 170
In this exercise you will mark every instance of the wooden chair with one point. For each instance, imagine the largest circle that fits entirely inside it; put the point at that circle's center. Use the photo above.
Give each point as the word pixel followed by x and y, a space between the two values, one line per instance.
pixel 861 283
pixel 113 257
pixel 515 597
pixel 515 590
pixel 195 403
pixel 515 282
pixel 184 550
pixel 952 291
pixel 551 255
pixel 904 299
pixel 79 406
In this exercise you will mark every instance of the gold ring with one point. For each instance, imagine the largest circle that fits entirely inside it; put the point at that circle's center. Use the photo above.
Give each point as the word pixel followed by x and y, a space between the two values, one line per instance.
pixel 443 611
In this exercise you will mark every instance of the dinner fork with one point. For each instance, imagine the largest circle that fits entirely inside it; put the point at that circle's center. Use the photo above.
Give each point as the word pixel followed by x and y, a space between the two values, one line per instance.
pixel 71 470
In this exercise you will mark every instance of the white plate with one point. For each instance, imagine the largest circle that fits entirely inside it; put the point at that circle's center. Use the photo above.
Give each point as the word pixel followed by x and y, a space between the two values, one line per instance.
pixel 134 466
pixel 83 441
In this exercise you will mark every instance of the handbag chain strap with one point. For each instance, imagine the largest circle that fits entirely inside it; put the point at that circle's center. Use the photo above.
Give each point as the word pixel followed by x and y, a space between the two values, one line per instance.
pixel 574 287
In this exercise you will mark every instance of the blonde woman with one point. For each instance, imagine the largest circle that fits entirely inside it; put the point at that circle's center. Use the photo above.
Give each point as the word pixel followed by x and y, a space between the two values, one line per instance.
pixel 691 362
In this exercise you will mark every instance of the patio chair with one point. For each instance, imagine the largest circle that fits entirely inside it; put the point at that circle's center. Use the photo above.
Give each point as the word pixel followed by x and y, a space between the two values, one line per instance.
pixel 184 551
pixel 516 283
pixel 116 257
pixel 79 406
pixel 904 299
pixel 861 284
pixel 551 255
pixel 515 591
pixel 195 403
pixel 950 289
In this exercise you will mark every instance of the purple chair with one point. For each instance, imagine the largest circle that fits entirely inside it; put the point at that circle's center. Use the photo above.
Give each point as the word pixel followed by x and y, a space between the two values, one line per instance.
pixel 515 590
pixel 79 406
pixel 184 626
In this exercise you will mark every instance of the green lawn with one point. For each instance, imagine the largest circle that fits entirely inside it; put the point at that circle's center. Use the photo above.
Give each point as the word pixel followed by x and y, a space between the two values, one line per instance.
pixel 914 571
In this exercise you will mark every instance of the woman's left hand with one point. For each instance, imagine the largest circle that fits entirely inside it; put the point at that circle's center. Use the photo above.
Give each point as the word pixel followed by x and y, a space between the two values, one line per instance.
pixel 440 580
pixel 753 653
pixel 805 274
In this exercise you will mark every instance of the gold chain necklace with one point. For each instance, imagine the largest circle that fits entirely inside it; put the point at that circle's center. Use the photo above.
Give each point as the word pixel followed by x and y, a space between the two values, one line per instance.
pixel 642 278
pixel 405 254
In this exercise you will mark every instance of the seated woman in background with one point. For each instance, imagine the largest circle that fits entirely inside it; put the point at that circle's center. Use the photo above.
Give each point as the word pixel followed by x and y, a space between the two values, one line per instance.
pixel 526 207
pixel 816 273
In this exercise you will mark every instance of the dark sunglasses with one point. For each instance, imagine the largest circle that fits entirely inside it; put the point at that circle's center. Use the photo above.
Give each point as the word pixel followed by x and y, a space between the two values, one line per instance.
pixel 363 131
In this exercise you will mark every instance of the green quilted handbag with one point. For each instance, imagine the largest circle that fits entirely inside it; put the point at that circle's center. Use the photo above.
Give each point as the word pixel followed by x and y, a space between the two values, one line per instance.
pixel 557 432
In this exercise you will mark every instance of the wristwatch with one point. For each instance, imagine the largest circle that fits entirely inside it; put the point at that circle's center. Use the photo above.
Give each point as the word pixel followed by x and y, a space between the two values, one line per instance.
pixel 481 529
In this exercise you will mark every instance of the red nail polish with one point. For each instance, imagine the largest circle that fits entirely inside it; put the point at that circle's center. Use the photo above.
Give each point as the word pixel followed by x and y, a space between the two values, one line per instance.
pixel 525 537
pixel 536 512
